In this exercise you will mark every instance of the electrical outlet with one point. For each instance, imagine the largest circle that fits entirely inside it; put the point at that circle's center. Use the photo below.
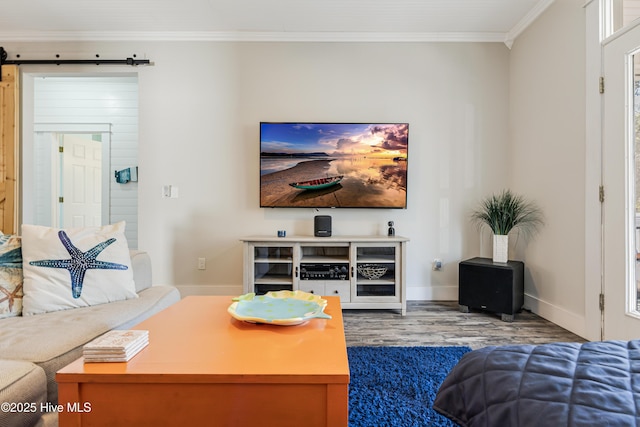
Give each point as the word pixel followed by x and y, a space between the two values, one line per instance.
pixel 437 264
pixel 202 263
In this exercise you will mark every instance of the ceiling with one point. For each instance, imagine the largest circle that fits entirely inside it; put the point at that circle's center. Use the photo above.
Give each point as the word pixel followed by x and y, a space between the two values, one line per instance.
pixel 301 20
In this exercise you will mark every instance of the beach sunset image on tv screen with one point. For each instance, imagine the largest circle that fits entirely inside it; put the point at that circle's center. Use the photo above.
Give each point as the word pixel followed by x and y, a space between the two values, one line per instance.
pixel 333 165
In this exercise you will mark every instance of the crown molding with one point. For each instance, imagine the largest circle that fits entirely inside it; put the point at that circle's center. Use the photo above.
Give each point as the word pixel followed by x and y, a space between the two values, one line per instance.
pixel 239 36
pixel 527 20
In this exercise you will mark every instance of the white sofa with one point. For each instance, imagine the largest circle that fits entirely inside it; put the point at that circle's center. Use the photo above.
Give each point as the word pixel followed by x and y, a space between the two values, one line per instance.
pixel 34 348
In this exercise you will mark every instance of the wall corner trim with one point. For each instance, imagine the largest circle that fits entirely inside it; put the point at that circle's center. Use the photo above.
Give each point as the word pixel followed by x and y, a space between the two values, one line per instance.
pixel 527 20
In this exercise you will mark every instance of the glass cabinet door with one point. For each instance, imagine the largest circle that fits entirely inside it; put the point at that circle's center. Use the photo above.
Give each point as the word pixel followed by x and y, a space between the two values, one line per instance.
pixel 376 273
pixel 272 268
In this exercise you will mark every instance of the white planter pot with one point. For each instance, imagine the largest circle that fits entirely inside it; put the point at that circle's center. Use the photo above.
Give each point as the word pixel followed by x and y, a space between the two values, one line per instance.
pixel 500 248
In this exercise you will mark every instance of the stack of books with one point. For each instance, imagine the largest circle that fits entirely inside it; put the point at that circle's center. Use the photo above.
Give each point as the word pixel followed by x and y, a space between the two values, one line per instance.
pixel 115 346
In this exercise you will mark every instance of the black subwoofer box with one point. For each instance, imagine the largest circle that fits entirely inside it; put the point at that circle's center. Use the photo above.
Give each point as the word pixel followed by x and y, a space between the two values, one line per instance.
pixel 496 287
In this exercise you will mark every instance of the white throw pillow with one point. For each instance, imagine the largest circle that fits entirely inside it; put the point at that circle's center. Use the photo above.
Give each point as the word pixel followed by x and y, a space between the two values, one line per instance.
pixel 76 267
pixel 10 276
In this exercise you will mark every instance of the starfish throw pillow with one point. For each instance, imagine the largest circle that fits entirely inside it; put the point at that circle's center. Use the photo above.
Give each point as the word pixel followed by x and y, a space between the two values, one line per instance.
pixel 76 267
pixel 10 276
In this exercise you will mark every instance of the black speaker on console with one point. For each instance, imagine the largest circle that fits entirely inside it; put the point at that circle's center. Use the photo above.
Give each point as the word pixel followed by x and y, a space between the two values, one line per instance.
pixel 322 226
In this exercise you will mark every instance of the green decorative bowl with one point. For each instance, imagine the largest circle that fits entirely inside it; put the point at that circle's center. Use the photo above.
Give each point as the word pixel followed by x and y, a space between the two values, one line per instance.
pixel 285 308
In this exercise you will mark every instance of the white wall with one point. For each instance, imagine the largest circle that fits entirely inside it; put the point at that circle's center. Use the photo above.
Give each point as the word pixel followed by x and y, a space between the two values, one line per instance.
pixel 200 106
pixel 548 157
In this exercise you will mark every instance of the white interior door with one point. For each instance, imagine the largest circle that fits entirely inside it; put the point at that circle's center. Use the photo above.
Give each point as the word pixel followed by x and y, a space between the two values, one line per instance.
pixel 81 181
pixel 78 183
pixel 620 124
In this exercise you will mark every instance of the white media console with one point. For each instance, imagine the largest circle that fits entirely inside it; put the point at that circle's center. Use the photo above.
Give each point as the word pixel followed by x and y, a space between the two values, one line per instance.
pixel 364 271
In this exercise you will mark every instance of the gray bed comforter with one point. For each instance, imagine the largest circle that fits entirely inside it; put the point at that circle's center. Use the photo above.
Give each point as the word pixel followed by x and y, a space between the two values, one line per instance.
pixel 559 384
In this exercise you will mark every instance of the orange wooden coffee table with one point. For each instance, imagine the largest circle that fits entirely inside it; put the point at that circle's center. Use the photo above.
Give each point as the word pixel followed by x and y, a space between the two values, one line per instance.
pixel 203 367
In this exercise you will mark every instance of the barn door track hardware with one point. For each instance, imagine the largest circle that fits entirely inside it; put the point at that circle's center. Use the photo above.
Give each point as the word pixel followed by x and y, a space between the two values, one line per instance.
pixel 97 61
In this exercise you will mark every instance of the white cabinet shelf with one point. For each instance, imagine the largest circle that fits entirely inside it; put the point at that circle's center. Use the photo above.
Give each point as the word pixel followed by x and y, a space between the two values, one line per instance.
pixel 366 272
pixel 274 279
pixel 317 259
pixel 379 259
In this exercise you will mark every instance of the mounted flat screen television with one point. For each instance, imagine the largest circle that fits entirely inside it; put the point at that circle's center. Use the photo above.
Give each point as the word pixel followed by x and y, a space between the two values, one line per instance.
pixel 333 165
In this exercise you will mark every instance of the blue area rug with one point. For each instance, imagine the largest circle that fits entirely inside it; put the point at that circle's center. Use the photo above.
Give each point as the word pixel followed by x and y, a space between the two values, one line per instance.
pixel 396 386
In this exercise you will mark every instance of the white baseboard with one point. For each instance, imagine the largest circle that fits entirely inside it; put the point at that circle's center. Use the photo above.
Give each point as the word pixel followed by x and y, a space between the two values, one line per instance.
pixel 188 290
pixel 433 293
pixel 561 317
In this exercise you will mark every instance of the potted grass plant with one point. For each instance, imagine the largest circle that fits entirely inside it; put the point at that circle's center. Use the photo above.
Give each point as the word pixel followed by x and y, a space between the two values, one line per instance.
pixel 503 213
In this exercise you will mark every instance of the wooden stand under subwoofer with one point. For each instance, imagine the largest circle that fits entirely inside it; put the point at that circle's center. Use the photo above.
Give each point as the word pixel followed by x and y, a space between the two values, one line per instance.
pixel 495 287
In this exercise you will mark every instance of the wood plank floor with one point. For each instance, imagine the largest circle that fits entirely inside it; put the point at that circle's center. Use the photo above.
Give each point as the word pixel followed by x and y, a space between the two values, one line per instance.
pixel 440 323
